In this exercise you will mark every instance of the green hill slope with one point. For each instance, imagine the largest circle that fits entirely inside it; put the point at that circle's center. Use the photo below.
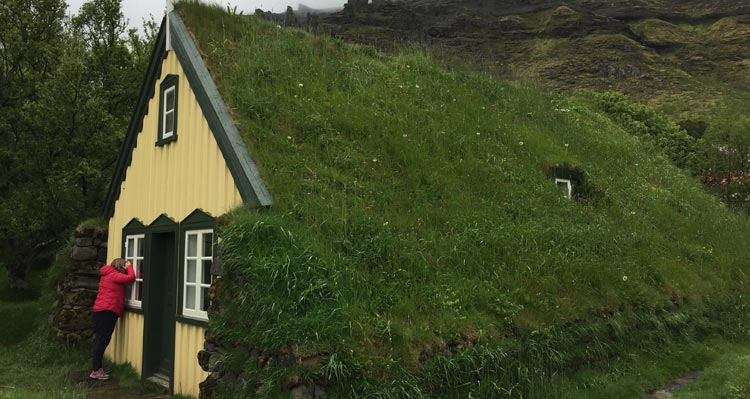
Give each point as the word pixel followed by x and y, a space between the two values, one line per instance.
pixel 414 219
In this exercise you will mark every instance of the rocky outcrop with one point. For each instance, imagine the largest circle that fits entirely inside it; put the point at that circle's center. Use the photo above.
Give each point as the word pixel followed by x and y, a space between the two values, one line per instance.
pixel 72 321
pixel 661 51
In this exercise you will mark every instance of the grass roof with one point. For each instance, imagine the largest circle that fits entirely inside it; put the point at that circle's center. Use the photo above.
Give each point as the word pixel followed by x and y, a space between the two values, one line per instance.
pixel 413 209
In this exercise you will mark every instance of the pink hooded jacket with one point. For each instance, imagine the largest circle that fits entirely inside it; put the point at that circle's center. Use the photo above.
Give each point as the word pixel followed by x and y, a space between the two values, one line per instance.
pixel 111 295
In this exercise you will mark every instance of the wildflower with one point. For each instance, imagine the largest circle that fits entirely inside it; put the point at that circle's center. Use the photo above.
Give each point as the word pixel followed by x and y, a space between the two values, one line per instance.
pixel 478 133
pixel 566 144
pixel 385 224
pixel 374 160
pixel 405 135
pixel 454 100
pixel 632 212
pixel 417 86
pixel 624 278
pixel 520 143
pixel 288 137
pixel 400 86
pixel 300 85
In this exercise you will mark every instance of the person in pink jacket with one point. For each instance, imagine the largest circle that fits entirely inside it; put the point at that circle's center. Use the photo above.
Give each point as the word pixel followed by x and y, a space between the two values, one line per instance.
pixel 109 304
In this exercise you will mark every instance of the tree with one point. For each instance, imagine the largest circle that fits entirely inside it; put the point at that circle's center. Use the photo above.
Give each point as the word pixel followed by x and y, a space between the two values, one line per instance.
pixel 30 35
pixel 65 117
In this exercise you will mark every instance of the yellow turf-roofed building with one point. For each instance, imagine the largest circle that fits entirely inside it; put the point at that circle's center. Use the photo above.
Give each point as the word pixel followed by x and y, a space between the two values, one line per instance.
pixel 182 164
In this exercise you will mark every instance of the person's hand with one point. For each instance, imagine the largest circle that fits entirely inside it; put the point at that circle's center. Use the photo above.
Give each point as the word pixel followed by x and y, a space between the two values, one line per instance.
pixel 128 264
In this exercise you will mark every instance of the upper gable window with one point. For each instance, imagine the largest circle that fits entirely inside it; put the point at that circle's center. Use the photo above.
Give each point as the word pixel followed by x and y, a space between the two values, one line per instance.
pixel 168 110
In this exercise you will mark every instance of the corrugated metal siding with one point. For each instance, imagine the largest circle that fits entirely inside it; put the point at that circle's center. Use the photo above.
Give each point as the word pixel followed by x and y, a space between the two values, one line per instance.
pixel 175 179
pixel 186 368
pixel 127 341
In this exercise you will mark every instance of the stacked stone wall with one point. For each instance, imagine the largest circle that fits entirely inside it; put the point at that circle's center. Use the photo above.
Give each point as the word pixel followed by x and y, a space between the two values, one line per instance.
pixel 72 320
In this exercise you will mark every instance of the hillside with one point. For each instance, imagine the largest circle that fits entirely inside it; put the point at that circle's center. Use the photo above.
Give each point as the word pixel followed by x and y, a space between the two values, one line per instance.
pixel 418 246
pixel 685 57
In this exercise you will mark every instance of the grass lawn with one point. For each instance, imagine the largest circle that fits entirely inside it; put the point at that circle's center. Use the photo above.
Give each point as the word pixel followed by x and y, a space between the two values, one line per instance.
pixel 31 366
pixel 724 364
pixel 728 376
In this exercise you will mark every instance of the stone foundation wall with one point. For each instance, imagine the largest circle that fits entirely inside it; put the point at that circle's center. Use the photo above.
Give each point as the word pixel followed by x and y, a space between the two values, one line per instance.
pixel 72 320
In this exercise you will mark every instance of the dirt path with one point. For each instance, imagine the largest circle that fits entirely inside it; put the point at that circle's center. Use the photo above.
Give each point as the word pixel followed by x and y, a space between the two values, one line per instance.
pixel 111 388
pixel 675 386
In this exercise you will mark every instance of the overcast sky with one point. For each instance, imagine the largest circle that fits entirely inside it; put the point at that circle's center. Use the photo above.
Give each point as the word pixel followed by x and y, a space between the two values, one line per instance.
pixel 138 10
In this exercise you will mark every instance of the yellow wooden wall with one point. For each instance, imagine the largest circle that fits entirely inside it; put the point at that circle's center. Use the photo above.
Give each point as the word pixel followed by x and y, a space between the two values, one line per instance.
pixel 175 179
pixel 187 370
pixel 128 350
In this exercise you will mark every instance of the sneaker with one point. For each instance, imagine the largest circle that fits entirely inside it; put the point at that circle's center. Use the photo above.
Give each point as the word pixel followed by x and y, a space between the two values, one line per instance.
pixel 99 375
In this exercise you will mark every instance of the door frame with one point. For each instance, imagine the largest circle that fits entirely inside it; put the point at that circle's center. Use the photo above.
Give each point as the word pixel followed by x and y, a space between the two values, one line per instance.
pixel 161 225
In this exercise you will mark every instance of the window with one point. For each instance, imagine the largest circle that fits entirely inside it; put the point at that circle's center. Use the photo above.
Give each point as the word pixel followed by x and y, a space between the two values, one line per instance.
pixel 197 273
pixel 168 110
pixel 566 187
pixel 134 246
pixel 168 113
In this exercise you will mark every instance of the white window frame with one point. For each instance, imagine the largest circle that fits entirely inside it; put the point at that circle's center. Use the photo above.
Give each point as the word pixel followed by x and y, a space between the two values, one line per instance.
pixel 137 262
pixel 569 193
pixel 164 133
pixel 199 257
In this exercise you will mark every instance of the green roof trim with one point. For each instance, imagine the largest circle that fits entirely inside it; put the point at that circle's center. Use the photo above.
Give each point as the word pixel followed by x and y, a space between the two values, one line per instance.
pixel 246 176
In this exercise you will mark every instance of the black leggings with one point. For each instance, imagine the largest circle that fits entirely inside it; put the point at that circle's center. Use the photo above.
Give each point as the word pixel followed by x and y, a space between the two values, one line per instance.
pixel 104 323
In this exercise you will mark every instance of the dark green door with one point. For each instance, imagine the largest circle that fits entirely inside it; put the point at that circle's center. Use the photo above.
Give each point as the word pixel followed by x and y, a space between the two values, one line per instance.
pixel 158 356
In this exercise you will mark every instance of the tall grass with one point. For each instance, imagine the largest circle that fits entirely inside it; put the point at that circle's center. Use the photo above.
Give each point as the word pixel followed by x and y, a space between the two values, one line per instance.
pixel 415 233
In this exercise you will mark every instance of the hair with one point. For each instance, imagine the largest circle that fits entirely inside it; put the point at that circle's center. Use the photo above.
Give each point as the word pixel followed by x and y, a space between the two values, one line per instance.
pixel 119 264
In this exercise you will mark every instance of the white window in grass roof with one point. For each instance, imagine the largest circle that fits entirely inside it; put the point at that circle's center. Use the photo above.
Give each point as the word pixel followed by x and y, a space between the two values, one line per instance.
pixel 566 186
pixel 134 253
pixel 197 276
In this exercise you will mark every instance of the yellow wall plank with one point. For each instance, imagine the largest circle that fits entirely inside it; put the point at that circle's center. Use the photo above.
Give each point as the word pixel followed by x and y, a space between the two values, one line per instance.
pixel 186 368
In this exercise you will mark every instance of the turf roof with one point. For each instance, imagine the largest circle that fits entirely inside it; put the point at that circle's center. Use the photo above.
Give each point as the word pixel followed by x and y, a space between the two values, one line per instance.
pixel 412 202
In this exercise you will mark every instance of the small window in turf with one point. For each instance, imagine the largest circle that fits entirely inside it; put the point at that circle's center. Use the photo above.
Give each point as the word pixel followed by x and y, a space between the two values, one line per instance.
pixel 569 179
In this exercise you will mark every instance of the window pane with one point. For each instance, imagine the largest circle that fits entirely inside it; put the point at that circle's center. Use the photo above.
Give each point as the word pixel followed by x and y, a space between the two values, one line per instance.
pixel 206 272
pixel 138 290
pixel 168 122
pixel 192 244
pixel 140 247
pixel 191 265
pixel 170 99
pixel 207 244
pixel 140 267
pixel 204 299
pixel 129 251
pixel 189 297
pixel 129 291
